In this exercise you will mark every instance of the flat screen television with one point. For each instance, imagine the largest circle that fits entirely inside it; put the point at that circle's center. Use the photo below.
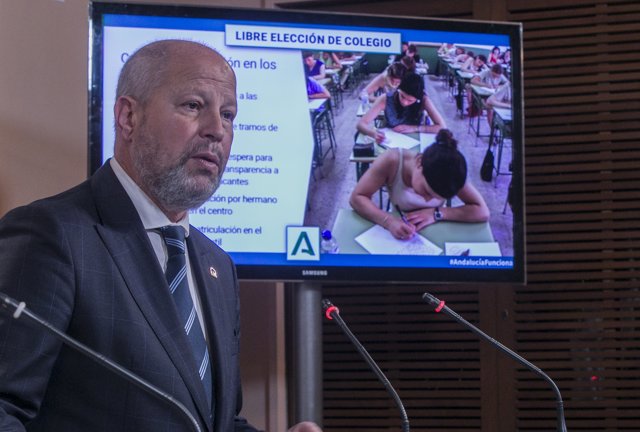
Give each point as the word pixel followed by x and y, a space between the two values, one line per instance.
pixel 295 161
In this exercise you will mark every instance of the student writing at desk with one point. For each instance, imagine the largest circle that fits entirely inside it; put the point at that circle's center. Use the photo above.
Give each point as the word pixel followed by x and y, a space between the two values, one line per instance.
pixel 501 99
pixel 331 60
pixel 387 81
pixel 346 70
pixel 418 185
pixel 505 59
pixel 489 78
pixel 455 52
pixel 463 57
pixel 409 63
pixel 411 51
pixel 404 110
pixel 445 48
pixel 494 56
pixel 475 64
pixel 313 68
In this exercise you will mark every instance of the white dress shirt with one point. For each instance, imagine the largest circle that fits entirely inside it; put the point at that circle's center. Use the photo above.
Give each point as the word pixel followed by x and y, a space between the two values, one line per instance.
pixel 152 219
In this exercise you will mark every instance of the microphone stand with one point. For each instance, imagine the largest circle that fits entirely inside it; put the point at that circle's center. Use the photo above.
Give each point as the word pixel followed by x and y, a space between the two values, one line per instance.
pixel 441 307
pixel 333 313
pixel 19 310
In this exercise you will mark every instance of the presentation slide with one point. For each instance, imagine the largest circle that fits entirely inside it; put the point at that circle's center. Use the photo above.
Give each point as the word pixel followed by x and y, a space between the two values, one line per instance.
pixel 287 181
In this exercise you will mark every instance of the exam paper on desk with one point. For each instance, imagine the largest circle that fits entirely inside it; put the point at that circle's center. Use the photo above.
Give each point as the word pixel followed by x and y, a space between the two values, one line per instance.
pixel 378 241
pixel 394 139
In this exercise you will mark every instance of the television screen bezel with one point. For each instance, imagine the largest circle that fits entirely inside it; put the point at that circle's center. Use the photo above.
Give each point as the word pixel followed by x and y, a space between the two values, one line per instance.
pixel 317 272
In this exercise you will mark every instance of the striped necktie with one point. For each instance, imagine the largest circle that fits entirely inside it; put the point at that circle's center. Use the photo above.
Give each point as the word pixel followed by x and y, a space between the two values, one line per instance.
pixel 176 275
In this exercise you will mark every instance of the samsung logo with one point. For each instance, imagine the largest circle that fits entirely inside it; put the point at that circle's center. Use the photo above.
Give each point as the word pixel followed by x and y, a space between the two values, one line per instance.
pixel 315 273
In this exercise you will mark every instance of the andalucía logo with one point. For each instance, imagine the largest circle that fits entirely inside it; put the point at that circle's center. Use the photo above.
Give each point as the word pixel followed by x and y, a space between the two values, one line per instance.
pixel 303 243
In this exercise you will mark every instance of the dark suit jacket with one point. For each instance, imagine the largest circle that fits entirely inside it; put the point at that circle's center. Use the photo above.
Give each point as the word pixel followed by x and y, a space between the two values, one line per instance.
pixel 82 261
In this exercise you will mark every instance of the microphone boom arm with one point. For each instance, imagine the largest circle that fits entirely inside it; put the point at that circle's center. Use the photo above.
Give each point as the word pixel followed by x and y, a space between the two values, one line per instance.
pixel 441 307
pixel 332 312
pixel 19 310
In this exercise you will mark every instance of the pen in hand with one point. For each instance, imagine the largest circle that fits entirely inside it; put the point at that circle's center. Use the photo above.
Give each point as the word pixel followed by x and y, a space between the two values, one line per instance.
pixel 402 216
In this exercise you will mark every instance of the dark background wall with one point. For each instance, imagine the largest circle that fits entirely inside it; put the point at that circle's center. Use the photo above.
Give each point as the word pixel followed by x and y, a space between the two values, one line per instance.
pixel 578 315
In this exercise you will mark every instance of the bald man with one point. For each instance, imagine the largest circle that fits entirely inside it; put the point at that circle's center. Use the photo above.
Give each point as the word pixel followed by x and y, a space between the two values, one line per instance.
pixel 94 261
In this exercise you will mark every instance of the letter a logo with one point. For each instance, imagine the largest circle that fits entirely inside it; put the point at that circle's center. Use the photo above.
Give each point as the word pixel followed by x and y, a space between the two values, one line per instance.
pixel 303 243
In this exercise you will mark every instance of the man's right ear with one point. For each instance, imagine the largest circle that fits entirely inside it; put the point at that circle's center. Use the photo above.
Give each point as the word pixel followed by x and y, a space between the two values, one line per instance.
pixel 125 114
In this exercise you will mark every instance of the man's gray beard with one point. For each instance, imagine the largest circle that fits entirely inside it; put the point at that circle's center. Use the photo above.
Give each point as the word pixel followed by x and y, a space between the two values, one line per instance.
pixel 172 188
pixel 176 191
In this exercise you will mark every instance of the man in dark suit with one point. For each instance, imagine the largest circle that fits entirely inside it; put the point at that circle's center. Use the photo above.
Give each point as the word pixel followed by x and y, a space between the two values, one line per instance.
pixel 92 261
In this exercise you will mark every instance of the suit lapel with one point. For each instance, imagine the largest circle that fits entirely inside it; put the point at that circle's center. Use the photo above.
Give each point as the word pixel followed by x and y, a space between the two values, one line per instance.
pixel 127 241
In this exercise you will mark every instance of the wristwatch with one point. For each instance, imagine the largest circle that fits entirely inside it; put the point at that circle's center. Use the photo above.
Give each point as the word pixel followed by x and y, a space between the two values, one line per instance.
pixel 437 214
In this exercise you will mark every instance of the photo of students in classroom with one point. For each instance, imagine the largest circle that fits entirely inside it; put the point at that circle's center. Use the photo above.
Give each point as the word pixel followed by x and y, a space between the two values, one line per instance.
pixel 400 143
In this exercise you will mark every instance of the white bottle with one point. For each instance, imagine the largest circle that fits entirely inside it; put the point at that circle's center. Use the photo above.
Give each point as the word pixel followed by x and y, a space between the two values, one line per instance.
pixel 364 102
pixel 328 243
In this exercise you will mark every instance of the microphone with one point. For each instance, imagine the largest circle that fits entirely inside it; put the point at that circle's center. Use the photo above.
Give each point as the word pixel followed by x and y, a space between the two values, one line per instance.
pixel 333 313
pixel 19 310
pixel 441 307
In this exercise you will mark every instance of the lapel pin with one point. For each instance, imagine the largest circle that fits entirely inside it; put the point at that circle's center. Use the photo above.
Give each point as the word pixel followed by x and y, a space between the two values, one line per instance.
pixel 213 272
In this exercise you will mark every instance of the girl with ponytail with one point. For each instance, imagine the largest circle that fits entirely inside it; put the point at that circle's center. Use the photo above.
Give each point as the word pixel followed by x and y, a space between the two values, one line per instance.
pixel 419 184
